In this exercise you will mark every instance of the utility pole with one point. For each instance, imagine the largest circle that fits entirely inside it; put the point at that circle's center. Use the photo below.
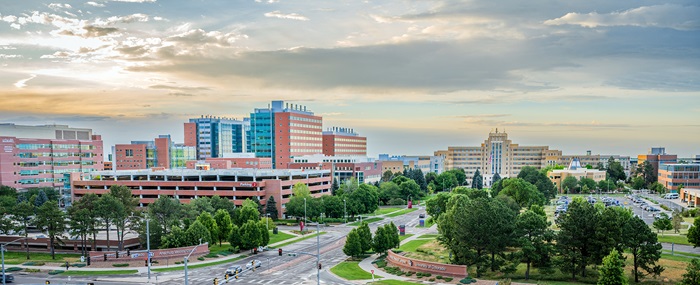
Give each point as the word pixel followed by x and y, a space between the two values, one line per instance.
pixel 148 249
pixel 318 253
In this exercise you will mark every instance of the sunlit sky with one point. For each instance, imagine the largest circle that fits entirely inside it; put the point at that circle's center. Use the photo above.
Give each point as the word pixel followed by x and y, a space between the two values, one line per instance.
pixel 614 77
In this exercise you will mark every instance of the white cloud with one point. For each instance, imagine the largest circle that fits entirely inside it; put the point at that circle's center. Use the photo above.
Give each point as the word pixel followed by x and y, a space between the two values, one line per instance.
pixel 23 83
pixel 134 1
pixel 662 16
pixel 58 6
pixel 292 16
pixel 95 4
pixel 8 56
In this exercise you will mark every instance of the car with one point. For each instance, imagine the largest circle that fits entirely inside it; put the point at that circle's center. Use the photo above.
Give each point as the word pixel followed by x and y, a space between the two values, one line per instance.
pixel 422 216
pixel 654 209
pixel 234 269
pixel 250 264
pixel 8 278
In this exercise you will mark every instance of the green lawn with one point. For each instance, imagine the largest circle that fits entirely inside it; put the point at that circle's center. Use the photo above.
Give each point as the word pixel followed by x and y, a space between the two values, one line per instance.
pixel 401 238
pixel 280 236
pixel 428 236
pixel 387 210
pixel 393 282
pixel 411 246
pixel 350 270
pixel 101 272
pixel 399 213
pixel 677 239
pixel 369 221
pixel 178 268
pixel 296 240
pixel 19 257
pixel 218 248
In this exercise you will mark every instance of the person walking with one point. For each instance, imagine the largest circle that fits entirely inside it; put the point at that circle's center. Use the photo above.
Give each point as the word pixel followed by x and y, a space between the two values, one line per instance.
pixel 67 265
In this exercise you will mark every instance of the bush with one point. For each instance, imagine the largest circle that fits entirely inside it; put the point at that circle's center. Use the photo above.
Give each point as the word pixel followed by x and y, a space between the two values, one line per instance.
pixel 54 272
pixel 467 280
pixel 120 265
pixel 34 263
pixel 334 220
pixel 201 258
pixel 427 274
pixel 12 269
pixel 693 212
pixel 31 270
pixel 447 279
pixel 179 262
pixel 212 255
pixel 665 207
pixel 504 282
pixel 438 277
pixel 431 279
pixel 396 202
pixel 79 265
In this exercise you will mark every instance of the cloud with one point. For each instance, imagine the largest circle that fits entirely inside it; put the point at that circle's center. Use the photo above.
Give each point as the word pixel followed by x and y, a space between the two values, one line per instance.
pixel 198 37
pixel 180 88
pixel 10 56
pixel 58 6
pixel 134 1
pixel 23 83
pixel 180 94
pixel 95 4
pixel 684 18
pixel 89 31
pixel 292 16
pixel 483 116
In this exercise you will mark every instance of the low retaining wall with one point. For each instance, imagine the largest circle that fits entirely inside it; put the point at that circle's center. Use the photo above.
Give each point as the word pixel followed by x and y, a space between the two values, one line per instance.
pixel 410 264
pixel 157 254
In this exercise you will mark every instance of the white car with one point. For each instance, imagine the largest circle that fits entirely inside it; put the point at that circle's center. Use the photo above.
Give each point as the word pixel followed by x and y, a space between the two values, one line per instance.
pixel 249 265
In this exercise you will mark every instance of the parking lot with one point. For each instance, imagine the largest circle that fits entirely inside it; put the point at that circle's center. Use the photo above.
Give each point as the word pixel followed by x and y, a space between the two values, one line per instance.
pixel 643 208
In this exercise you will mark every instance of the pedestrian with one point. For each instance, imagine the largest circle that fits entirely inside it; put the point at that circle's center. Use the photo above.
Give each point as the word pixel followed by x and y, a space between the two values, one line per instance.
pixel 67 265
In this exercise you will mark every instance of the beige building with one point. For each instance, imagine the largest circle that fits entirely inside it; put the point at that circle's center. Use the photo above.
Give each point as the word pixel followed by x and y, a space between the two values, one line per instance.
pixel 577 171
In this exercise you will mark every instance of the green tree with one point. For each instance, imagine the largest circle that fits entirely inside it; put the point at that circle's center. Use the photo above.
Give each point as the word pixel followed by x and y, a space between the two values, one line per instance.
pixel 249 212
pixel 264 233
pixel 50 219
pixel 524 193
pixel 570 184
pixel 108 208
pixel 613 270
pixel 353 244
pixel 335 186
pixel 646 171
pixel 202 204
pixel 541 181
pixel 437 205
pixel 409 188
pixel 197 232
pixel 333 206
pixel 222 204
pixel 642 243
pixel 677 220
pixel 638 182
pixel 615 170
pixel 608 234
pixel 382 240
pixel 657 188
pixel 694 233
pixel 663 223
pixel 387 176
pixel 271 208
pixel 89 203
pixel 535 239
pixel 22 214
pixel 40 199
pixel 124 215
pixel 496 178
pixel 208 221
pixel 393 235
pixel 606 185
pixel 166 212
pixel 459 175
pixel 365 237
pixel 387 191
pixel 692 274
pixel 250 235
pixel 574 244
pixel 587 183
pixel 235 237
pixel 446 181
pixel 79 224
pixel 176 238
pixel 420 180
pixel 223 222
pixel 477 180
pixel 367 196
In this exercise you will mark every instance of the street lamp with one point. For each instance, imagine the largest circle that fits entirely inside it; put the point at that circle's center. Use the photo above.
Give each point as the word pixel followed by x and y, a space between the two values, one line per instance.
pixel 345 211
pixel 2 252
pixel 267 221
pixel 304 212
pixel 187 282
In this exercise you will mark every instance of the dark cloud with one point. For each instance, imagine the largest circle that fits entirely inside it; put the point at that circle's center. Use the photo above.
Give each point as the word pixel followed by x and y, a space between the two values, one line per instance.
pixel 180 94
pixel 180 88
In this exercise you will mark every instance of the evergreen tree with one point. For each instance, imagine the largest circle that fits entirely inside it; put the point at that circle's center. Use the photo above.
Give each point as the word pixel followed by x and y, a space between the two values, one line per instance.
pixel 496 178
pixel 40 199
pixel 535 239
pixel 22 214
pixel 477 181
pixel 677 220
pixel 613 270
pixel 353 244
pixel 642 243
pixel 335 186
pixel 365 237
pixel 663 223
pixel 381 241
pixel 692 274
pixel 694 233
pixel 574 243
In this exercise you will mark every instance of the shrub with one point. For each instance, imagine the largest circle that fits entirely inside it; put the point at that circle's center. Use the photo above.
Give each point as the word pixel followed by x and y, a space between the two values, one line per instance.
pixel 467 280
pixel 504 281
pixel 179 262
pixel 34 263
pixel 427 274
pixel 201 258
pixel 665 207
pixel 212 255
pixel 12 269
pixel 79 265
pixel 396 201
pixel 438 277
pixel 120 265
pixel 31 270
pixel 447 279
pixel 431 279
pixel 54 272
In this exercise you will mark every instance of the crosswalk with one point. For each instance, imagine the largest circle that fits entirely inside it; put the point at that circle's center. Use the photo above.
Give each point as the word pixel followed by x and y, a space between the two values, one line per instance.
pixel 244 280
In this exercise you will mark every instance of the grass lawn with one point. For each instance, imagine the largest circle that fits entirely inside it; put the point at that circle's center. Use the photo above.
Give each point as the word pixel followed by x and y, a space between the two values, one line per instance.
pixel 19 257
pixel 218 248
pixel 401 238
pixel 296 240
pixel 411 246
pixel 178 268
pixel 387 210
pixel 280 236
pixel 399 213
pixel 393 282
pixel 369 221
pixel 428 236
pixel 351 270
pixel 101 272
pixel 677 239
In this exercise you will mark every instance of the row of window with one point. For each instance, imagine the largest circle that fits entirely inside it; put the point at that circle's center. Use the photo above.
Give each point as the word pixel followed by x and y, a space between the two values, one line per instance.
pixel 304 126
pixel 305 138
pixel 356 140
pixel 54 154
pixel 304 144
pixel 294 131
pixel 295 118
pixel 349 145
pixel 55 163
pixel 54 146
pixel 312 150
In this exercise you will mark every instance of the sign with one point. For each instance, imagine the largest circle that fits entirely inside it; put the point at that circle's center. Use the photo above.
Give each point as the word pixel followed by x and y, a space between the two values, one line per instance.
pixel 8 140
pixel 301 226
pixel 82 259
pixel 150 254
pixel 372 271
pixel 410 204
pixel 254 184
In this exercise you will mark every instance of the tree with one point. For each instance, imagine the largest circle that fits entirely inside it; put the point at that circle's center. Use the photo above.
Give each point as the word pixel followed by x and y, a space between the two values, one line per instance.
pixel 197 233
pixel 335 186
pixel 353 244
pixel 165 210
pixel 663 223
pixel 524 193
pixel 437 205
pixel 615 171
pixel 249 212
pixel 387 176
pixel 89 203
pixel 694 233
pixel 382 240
pixel 677 220
pixel 638 182
pixel 176 238
pixel 613 270
pixel 40 199
pixel 459 175
pixel 123 216
pixel 264 233
pixel 587 183
pixel 389 190
pixel 446 181
pixel 22 213
pixel 271 208
pixel 79 224
pixel 365 237
pixel 333 206
pixel 223 222
pixel 608 234
pixel 202 204
pixel 430 177
pixel 692 274
pixel 477 181
pixel 606 185
pixel 420 180
pixel 535 239
pixel 393 233
pixel 208 221
pixel 235 237
pixel 540 180
pixel 642 243
pixel 570 185
pixel 108 208
pixel 51 219
pixel 496 178
pixel 250 235
pixel 223 204
pixel 646 171
pixel 574 244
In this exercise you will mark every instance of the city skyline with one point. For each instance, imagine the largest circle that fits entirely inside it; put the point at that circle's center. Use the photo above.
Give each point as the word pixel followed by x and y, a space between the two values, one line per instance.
pixel 411 76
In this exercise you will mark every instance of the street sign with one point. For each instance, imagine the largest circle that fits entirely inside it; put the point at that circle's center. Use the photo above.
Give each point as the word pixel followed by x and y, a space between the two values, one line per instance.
pixel 150 254
pixel 372 271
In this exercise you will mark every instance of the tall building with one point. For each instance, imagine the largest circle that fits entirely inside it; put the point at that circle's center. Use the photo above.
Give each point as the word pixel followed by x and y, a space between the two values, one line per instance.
pixel 160 152
pixel 39 156
pixel 656 157
pixel 672 176
pixel 216 136
pixel 283 131
pixel 343 141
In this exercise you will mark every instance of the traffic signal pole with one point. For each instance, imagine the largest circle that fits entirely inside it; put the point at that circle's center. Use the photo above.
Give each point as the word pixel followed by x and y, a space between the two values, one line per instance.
pixel 318 254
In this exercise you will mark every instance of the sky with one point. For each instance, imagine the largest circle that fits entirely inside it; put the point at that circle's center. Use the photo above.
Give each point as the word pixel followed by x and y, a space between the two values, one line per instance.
pixel 613 77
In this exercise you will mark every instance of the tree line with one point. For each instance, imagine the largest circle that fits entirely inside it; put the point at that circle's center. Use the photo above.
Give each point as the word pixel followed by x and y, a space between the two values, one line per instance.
pixel 360 240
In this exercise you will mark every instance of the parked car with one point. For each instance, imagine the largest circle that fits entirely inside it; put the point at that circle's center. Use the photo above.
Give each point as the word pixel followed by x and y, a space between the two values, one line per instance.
pixel 250 264
pixel 422 216
pixel 234 269
pixel 8 278
pixel 671 196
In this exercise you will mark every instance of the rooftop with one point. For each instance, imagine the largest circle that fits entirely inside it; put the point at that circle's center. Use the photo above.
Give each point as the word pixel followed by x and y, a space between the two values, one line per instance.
pixel 194 172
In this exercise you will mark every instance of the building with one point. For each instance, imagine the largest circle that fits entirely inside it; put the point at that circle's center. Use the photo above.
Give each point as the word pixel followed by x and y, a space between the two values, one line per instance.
pixel 577 171
pixel 364 169
pixel 691 196
pixel 283 131
pixel 186 185
pixel 595 159
pixel 160 152
pixel 108 165
pixel 243 160
pixel 672 176
pixel 39 156
pixel 656 157
pixel 343 141
pixel 216 136
pixel 397 163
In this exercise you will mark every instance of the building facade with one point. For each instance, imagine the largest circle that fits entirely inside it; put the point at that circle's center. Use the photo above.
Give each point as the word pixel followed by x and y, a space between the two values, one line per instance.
pixel 577 171
pixel 39 156
pixel 656 157
pixel 160 152
pixel 283 131
pixel 397 163
pixel 343 141
pixel 242 161
pixel 216 136
pixel 186 185
pixel 672 176
pixel 363 169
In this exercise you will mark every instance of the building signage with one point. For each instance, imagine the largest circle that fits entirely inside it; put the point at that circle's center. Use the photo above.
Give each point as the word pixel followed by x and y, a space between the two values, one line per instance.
pixel 8 140
pixel 250 184
pixel 8 148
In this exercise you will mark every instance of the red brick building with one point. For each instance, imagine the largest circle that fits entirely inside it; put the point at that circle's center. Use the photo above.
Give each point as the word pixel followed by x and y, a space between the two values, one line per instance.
pixel 344 142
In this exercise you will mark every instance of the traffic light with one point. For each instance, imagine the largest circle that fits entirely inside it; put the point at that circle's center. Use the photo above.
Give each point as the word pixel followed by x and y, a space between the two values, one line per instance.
pixel 105 256
pixel 47 282
pixel 253 265
pixel 226 276
pixel 319 266
pixel 279 251
pixel 88 260
pixel 216 281
pixel 236 275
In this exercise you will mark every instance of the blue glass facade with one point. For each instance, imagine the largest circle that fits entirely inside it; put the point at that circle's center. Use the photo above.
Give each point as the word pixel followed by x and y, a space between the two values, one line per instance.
pixel 260 133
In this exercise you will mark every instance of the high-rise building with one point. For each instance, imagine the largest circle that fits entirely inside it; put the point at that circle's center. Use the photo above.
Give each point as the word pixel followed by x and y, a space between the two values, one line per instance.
pixel 39 156
pixel 160 152
pixel 283 131
pixel 343 141
pixel 656 157
pixel 216 136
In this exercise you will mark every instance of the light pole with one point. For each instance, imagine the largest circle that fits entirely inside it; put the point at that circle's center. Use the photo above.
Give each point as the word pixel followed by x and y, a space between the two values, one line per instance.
pixel 318 254
pixel 148 249
pixel 2 252
pixel 267 221
pixel 304 212
pixel 187 282
pixel 345 211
